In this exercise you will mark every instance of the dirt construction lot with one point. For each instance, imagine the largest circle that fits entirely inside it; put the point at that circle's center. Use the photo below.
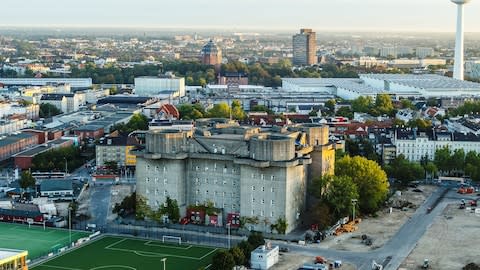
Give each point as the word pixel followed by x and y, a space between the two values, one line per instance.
pixel 383 227
pixel 295 261
pixel 450 243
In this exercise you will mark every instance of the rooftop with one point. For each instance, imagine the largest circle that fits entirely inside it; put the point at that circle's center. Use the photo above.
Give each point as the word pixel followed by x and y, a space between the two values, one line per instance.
pixel 41 148
pixel 55 185
pixel 7 254
pixel 424 81
pixel 7 140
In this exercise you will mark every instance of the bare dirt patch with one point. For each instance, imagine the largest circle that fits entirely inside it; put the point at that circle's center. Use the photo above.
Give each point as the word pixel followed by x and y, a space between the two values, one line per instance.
pixel 381 228
pixel 294 261
pixel 450 243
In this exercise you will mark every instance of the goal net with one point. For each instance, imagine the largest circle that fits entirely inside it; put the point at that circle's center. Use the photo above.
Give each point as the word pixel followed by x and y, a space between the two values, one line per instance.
pixel 172 239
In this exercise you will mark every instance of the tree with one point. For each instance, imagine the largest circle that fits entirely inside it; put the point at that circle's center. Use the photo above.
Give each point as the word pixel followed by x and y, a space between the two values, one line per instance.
pixel 407 104
pixel 137 122
pixel 221 110
pixel 318 186
pixel 280 226
pixel 27 180
pixel 457 161
pixel 370 179
pixel 383 104
pixel 48 110
pixel 127 206
pixel 142 209
pixel 362 104
pixel 237 110
pixel 341 191
pixel 246 249
pixel 361 147
pixel 404 171
pixel 256 239
pixel 345 112
pixel 321 215
pixel 191 111
pixel 112 165
pixel 171 209
pixel 430 169
pixel 238 256
pixel 223 260
pixel 442 159
pixel 419 123
pixel 330 106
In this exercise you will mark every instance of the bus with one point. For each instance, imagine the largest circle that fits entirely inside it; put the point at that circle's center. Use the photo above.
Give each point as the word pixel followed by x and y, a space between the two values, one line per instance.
pixel 49 175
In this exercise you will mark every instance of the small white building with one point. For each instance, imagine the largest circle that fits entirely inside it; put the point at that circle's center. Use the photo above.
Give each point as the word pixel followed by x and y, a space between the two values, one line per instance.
pixel 264 257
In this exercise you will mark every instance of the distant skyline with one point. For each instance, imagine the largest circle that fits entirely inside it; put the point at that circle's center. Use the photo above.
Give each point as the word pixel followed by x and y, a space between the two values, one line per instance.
pixel 334 15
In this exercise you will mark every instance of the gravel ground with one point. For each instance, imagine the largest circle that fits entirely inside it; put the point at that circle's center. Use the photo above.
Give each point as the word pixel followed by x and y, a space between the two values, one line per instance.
pixel 450 243
pixel 380 228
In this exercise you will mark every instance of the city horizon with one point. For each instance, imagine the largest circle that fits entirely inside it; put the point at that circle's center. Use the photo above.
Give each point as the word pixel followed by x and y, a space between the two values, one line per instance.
pixel 369 15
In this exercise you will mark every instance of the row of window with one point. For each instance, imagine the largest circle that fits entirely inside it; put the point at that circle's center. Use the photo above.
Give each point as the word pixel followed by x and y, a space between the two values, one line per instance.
pixel 272 189
pixel 261 213
pixel 215 193
pixel 157 192
pixel 262 201
pixel 165 181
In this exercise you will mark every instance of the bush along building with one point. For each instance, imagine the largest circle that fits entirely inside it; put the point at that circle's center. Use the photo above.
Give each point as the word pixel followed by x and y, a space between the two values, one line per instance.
pixel 223 173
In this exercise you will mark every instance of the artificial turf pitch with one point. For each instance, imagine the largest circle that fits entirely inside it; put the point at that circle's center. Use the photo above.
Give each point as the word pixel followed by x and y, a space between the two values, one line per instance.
pixel 120 253
pixel 37 241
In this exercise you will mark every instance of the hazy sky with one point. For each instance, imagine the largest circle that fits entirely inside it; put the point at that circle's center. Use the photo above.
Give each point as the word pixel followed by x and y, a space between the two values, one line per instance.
pixel 410 15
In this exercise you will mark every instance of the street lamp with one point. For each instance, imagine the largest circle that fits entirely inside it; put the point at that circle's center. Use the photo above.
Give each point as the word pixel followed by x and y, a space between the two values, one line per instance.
pixel 164 266
pixel 70 224
pixel 228 227
pixel 66 165
pixel 354 203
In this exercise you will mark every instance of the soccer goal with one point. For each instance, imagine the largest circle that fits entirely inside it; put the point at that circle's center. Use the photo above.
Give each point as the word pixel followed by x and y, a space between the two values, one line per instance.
pixel 172 239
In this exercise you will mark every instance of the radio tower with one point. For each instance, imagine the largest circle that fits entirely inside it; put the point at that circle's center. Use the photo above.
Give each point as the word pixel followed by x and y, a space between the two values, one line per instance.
pixel 458 65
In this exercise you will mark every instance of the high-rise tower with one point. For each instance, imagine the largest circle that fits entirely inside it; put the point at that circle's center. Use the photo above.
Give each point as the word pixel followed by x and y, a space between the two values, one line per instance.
pixel 305 48
pixel 459 50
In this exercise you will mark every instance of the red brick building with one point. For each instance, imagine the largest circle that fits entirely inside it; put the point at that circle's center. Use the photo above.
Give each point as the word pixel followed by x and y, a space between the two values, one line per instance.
pixel 24 159
pixel 10 145
pixel 89 132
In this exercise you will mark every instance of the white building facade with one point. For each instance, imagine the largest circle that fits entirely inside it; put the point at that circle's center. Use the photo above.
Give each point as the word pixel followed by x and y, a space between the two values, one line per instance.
pixel 152 86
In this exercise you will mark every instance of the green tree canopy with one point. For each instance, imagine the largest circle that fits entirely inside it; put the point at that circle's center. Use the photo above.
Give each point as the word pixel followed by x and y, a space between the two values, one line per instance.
pixel 370 179
pixel 341 191
pixel 362 104
pixel 171 209
pixel 404 171
pixel 223 260
pixel 221 110
pixel 27 180
pixel 48 110
pixel 384 105
pixel 238 256
pixel 237 110
pixel 137 122
pixel 191 111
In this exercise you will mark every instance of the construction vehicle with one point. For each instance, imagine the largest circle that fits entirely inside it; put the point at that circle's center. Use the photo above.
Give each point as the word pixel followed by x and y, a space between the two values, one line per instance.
pixel 466 190
pixel 320 259
pixel 376 266
pixel 348 227
pixel 426 264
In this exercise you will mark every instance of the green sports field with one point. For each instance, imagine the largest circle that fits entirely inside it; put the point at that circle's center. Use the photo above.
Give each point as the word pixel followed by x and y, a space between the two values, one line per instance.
pixel 37 241
pixel 119 253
